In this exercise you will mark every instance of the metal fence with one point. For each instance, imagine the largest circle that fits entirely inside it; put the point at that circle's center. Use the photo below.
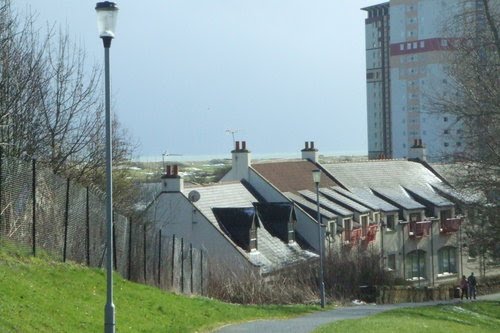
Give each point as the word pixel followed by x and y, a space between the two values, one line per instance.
pixel 42 211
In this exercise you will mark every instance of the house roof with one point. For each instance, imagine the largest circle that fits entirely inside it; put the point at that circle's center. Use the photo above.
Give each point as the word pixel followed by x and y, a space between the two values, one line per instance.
pixel 343 200
pixel 292 176
pixel 223 195
pixel 230 198
pixel 390 180
pixel 369 197
pixel 309 206
pixel 333 207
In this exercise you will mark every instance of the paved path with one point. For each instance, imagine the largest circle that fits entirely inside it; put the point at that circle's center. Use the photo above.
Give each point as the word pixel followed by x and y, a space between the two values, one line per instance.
pixel 309 322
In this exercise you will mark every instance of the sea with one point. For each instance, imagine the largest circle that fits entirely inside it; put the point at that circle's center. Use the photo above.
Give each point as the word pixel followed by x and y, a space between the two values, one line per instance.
pixel 265 156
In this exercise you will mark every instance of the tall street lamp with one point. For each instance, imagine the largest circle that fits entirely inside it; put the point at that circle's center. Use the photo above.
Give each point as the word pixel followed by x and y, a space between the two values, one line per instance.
pixel 316 179
pixel 106 22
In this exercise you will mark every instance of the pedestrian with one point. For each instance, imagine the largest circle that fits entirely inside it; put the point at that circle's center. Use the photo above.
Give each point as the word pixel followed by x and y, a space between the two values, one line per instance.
pixel 472 282
pixel 464 286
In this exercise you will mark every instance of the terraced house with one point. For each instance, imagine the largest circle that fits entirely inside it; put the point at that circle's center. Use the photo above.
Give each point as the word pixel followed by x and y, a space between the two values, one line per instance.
pixel 402 208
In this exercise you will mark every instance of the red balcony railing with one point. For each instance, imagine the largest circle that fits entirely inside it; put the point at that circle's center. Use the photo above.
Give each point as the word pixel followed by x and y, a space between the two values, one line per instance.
pixel 450 225
pixel 372 233
pixel 419 229
pixel 352 237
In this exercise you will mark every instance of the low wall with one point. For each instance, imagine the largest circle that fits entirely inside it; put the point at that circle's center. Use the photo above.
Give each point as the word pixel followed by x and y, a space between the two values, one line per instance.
pixel 408 294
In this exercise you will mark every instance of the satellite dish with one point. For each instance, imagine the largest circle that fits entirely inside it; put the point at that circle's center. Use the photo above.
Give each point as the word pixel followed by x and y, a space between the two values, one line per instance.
pixel 194 196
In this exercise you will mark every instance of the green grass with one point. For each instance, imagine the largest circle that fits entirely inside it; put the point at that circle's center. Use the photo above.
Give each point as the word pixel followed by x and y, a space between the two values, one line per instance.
pixel 39 295
pixel 476 317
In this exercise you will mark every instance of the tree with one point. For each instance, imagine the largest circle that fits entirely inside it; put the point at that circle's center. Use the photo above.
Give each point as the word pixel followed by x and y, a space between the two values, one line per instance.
pixel 474 80
pixel 51 105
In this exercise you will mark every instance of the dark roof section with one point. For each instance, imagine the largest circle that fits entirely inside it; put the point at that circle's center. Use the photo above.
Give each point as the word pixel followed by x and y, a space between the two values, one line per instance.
pixel 236 223
pixel 344 201
pixel 275 217
pixel 309 207
pixel 327 204
pixel 292 176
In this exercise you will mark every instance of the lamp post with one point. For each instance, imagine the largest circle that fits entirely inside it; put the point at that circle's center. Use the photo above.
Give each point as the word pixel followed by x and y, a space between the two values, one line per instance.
pixel 316 179
pixel 106 22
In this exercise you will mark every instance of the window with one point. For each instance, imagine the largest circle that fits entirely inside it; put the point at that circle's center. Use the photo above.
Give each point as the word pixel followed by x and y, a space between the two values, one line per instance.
pixel 422 43
pixel 446 144
pixel 414 45
pixel 390 221
pixel 446 131
pixel 444 42
pixel 459 144
pixel 391 262
pixel 401 47
pixel 445 119
pixel 415 265
pixel 447 260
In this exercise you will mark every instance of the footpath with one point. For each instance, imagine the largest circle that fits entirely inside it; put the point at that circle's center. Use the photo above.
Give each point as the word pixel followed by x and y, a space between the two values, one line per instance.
pixel 308 323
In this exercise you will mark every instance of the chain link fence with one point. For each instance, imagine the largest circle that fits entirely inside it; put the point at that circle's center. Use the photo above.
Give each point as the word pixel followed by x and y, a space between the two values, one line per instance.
pixel 41 211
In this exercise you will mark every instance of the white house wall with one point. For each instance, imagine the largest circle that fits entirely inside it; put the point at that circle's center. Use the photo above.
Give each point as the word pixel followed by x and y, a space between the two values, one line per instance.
pixel 175 215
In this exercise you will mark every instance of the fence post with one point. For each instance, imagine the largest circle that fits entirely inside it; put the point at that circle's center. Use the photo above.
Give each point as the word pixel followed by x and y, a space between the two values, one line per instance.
pixel 191 261
pixel 129 267
pixel 33 217
pixel 182 265
pixel 173 260
pixel 115 264
pixel 159 259
pixel 66 217
pixel 201 271
pixel 1 192
pixel 87 231
pixel 144 252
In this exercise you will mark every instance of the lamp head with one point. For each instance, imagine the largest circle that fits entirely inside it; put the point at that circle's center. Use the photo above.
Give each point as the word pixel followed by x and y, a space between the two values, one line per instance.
pixel 316 176
pixel 107 12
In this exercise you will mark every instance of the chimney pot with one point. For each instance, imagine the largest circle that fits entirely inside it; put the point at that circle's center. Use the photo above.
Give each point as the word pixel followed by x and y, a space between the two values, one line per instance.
pixel 307 145
pixel 312 144
pixel 420 143
pixel 175 170
pixel 168 170
pixel 243 145
pixel 237 145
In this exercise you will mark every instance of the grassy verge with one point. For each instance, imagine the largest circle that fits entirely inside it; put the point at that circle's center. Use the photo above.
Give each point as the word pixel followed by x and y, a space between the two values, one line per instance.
pixel 37 295
pixel 477 317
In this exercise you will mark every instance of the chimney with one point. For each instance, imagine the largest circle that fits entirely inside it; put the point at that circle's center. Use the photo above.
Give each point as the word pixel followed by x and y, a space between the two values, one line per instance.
pixel 309 152
pixel 171 180
pixel 417 151
pixel 241 160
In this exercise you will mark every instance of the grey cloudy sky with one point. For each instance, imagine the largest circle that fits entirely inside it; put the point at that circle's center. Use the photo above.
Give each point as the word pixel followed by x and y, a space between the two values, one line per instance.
pixel 184 71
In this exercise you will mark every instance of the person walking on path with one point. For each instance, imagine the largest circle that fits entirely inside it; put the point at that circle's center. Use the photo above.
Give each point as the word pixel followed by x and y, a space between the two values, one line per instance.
pixel 472 285
pixel 464 286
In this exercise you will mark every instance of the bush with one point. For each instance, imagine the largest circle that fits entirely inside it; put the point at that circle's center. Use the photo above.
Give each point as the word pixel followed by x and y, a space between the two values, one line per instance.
pixel 344 274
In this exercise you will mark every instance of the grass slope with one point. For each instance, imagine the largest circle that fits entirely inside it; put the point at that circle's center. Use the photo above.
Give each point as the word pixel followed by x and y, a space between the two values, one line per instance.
pixel 477 317
pixel 38 295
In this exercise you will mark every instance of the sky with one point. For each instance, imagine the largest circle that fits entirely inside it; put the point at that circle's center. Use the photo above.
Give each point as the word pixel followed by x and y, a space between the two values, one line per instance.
pixel 183 72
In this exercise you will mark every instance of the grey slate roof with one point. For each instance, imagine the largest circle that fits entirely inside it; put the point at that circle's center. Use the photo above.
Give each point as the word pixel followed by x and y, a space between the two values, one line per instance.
pixel 389 178
pixel 223 195
pixel 330 194
pixel 272 253
pixel 430 195
pixel 397 197
pixel 337 209
pixel 368 196
pixel 304 203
